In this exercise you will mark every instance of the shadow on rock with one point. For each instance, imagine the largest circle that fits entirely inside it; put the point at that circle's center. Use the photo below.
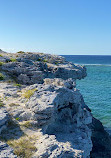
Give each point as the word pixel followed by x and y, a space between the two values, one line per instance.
pixel 13 131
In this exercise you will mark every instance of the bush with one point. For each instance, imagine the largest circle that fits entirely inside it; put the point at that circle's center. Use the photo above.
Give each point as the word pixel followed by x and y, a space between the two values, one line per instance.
pixel 1 63
pixel 17 118
pixel 1 76
pixel 17 85
pixel 1 55
pixel 21 52
pixel 29 93
pixel 13 60
pixel 1 103
pixel 45 60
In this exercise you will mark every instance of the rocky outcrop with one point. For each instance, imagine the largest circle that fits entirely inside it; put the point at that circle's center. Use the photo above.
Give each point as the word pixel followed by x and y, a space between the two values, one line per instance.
pixel 5 150
pixel 101 141
pixel 47 109
pixel 31 68
pixel 48 106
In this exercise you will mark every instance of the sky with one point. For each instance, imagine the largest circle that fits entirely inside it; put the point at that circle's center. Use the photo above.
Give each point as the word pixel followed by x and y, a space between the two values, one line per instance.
pixel 64 27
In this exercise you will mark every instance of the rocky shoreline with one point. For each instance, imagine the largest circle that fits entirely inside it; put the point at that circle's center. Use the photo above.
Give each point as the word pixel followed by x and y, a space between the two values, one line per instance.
pixel 42 114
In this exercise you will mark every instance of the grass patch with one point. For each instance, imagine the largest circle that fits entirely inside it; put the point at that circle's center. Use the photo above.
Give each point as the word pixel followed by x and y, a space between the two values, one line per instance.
pixel 17 118
pixel 21 52
pixel 1 103
pixel 9 81
pixel 13 104
pixel 2 76
pixel 26 124
pixel 17 85
pixel 23 147
pixel 13 60
pixel 45 60
pixel 1 63
pixel 27 94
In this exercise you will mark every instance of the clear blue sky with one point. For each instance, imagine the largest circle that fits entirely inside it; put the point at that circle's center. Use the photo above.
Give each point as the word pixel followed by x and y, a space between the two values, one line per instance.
pixel 56 26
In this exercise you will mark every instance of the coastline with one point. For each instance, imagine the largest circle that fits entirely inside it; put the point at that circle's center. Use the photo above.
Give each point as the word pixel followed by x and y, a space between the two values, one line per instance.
pixel 42 101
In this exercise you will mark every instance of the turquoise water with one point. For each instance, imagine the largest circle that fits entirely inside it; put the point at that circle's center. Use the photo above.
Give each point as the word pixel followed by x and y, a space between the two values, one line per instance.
pixel 96 90
pixel 96 87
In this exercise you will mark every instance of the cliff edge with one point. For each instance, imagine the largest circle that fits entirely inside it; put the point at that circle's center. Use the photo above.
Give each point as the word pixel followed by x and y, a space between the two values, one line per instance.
pixel 42 112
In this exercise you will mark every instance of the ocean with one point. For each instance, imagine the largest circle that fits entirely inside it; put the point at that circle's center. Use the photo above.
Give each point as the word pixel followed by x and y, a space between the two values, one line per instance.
pixel 96 87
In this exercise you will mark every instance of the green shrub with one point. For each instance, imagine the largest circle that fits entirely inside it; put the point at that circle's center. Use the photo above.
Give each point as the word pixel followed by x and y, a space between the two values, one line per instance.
pixel 17 118
pixel 45 60
pixel 2 76
pixel 21 52
pixel 29 93
pixel 1 63
pixel 1 55
pixel 1 103
pixel 13 60
pixel 17 85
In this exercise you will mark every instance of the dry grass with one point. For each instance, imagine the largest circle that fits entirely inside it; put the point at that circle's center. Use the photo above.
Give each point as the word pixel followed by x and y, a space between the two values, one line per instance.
pixel 23 147
pixel 27 94
pixel 13 104
pixel 26 124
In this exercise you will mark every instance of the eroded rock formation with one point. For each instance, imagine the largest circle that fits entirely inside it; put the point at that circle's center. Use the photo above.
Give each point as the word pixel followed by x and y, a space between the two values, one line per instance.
pixel 46 105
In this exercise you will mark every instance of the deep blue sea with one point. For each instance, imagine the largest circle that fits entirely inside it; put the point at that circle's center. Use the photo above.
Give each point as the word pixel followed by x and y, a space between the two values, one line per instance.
pixel 96 87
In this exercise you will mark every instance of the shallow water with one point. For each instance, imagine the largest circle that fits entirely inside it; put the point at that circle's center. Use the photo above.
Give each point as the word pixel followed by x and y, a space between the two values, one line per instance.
pixel 96 87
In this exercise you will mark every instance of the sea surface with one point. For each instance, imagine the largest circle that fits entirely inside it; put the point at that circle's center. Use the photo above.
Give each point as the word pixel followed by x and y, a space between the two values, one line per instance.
pixel 96 87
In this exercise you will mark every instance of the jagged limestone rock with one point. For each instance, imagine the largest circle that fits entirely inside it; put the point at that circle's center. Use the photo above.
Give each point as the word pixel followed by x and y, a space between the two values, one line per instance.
pixel 48 105
pixel 3 120
pixel 6 151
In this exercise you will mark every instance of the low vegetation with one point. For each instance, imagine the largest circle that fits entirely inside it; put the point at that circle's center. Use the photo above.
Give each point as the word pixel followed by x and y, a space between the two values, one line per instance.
pixel 1 63
pixel 2 77
pixel 17 85
pixel 13 60
pixel 39 59
pixel 13 104
pixel 45 60
pixel 21 52
pixel 17 118
pixel 26 124
pixel 1 55
pixel 27 94
pixel 23 147
pixel 1 103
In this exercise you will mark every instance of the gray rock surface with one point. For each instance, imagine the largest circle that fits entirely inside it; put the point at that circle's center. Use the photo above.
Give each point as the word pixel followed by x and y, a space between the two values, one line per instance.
pixel 47 109
pixel 48 106
pixel 6 151
pixel 33 68
pixel 101 141
pixel 3 120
